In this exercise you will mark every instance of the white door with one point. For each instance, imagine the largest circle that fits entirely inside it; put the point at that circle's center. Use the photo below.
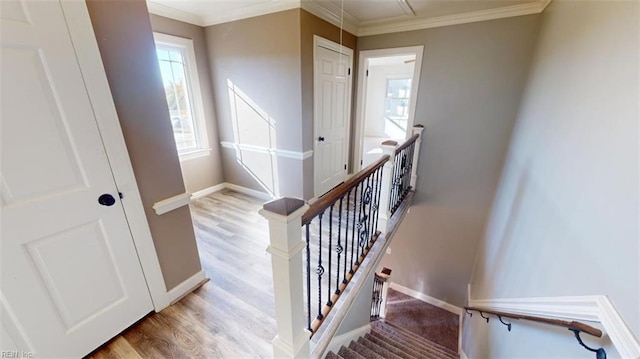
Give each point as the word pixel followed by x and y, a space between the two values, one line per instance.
pixel 332 102
pixel 71 279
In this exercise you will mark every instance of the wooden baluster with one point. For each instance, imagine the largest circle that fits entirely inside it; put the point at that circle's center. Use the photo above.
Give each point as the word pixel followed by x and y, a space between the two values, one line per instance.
pixel 286 245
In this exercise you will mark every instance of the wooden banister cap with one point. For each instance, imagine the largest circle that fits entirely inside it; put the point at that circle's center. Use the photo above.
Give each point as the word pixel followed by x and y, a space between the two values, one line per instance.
pixel 389 143
pixel 420 126
pixel 283 206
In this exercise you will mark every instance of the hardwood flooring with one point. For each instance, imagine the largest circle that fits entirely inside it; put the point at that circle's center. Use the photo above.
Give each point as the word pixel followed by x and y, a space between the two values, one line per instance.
pixel 232 315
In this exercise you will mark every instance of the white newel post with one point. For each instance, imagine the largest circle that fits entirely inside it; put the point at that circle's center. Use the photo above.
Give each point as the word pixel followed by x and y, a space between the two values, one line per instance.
pixel 386 275
pixel 388 148
pixel 416 155
pixel 286 245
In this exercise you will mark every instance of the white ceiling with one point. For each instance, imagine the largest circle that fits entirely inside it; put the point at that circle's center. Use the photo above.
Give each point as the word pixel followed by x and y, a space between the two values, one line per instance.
pixel 361 17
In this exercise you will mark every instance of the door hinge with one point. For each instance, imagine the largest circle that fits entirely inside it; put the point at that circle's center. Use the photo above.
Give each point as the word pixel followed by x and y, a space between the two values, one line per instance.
pixel 361 162
pixel 345 167
pixel 367 73
pixel 349 71
pixel 120 195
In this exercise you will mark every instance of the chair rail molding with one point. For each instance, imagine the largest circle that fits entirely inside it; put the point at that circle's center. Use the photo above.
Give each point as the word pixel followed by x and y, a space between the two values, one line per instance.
pixel 169 204
pixel 596 308
pixel 296 155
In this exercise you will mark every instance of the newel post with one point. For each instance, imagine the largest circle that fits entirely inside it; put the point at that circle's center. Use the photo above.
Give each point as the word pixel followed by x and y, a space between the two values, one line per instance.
pixel 416 155
pixel 386 277
pixel 384 213
pixel 286 245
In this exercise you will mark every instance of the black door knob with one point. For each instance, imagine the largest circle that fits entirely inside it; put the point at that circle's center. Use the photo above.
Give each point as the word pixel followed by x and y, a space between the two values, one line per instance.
pixel 106 200
pixel 321 139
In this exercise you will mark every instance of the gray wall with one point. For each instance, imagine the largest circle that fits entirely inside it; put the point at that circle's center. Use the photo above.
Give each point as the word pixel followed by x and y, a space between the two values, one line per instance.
pixel 260 56
pixel 125 39
pixel 565 218
pixel 202 172
pixel 472 78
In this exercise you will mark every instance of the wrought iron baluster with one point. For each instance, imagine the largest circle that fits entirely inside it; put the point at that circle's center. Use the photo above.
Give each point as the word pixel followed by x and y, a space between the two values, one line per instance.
pixel 308 235
pixel 339 247
pixel 376 207
pixel 320 268
pixel 353 226
pixel 329 302
pixel 359 225
pixel 370 230
pixel 346 240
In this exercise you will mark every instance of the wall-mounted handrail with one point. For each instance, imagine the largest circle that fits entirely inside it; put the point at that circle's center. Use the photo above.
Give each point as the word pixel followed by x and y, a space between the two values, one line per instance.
pixel 575 327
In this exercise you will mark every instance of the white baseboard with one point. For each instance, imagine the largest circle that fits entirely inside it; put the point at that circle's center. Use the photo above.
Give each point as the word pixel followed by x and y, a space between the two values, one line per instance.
pixel 207 191
pixel 425 298
pixel 346 338
pixel 597 308
pixel 219 187
pixel 180 290
pixel 463 355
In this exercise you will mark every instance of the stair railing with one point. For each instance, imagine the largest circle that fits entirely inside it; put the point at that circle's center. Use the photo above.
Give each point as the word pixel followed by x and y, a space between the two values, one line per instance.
pixel 317 248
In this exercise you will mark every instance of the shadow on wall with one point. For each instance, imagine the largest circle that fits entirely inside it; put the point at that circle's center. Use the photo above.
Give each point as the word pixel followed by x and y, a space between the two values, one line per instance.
pixel 254 133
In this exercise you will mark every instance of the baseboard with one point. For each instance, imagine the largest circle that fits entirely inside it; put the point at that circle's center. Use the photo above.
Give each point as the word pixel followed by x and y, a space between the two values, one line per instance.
pixel 250 192
pixel 346 338
pixel 207 191
pixel 428 299
pixel 181 290
pixel 463 355
pixel 219 187
pixel 597 308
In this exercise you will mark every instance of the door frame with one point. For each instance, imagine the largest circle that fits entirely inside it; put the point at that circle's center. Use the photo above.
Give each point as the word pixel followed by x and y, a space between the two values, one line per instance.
pixel 363 60
pixel 330 45
pixel 99 93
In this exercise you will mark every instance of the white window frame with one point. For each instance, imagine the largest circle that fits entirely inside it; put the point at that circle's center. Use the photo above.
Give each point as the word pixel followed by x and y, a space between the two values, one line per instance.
pixel 193 87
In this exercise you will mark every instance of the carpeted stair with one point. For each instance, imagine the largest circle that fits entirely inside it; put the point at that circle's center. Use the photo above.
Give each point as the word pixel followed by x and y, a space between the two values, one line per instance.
pixel 387 341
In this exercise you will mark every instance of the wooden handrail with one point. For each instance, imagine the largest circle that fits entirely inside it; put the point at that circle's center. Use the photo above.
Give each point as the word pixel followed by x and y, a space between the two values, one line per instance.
pixel 407 143
pixel 573 325
pixel 335 194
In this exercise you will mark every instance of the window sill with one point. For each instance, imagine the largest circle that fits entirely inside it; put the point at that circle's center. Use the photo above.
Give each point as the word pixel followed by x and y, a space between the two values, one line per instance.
pixel 186 156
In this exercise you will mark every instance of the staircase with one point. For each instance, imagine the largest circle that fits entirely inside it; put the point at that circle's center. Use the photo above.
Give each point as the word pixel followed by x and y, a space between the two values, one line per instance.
pixel 390 342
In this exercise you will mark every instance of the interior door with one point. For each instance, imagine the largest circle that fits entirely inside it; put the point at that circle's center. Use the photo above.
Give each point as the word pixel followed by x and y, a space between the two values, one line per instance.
pixel 331 118
pixel 71 279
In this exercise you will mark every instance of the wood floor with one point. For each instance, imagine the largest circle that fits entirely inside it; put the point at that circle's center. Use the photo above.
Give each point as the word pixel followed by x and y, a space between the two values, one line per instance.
pixel 232 315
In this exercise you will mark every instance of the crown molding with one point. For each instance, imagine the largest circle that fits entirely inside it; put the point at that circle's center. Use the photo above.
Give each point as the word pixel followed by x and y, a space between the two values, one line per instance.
pixel 272 6
pixel 332 14
pixel 400 25
pixel 173 13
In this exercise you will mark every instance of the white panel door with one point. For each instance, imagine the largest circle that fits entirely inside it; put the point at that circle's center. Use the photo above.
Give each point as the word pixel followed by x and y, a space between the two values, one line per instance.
pixel 331 118
pixel 71 279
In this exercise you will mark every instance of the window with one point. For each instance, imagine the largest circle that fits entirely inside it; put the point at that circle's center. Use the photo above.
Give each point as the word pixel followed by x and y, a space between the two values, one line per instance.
pixel 396 104
pixel 179 77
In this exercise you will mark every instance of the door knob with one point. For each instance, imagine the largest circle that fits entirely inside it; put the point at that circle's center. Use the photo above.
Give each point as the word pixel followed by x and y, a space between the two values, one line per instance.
pixel 106 200
pixel 321 139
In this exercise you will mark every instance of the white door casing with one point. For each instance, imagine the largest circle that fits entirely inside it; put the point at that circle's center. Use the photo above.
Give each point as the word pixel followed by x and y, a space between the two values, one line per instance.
pixel 332 108
pixel 71 278
pixel 361 96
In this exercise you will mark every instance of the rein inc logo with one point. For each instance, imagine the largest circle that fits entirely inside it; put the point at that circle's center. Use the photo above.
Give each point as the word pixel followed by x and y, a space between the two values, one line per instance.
pixel 15 354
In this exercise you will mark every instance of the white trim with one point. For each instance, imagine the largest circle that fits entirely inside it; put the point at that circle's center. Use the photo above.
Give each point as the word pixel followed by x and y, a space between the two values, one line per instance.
pixel 400 25
pixel 250 192
pixel 345 51
pixel 169 204
pixel 296 155
pixel 330 12
pixel 95 79
pixel 173 13
pixel 183 288
pixel 207 191
pixel 597 308
pixel 185 45
pixel 428 299
pixel 346 338
pixel 463 355
pixel 361 102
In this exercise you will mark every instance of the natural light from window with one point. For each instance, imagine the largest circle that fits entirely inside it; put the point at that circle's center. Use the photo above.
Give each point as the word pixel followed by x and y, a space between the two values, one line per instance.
pixel 176 58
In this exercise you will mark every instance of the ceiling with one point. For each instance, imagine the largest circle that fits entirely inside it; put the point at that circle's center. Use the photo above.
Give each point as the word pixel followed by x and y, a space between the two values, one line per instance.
pixel 361 17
